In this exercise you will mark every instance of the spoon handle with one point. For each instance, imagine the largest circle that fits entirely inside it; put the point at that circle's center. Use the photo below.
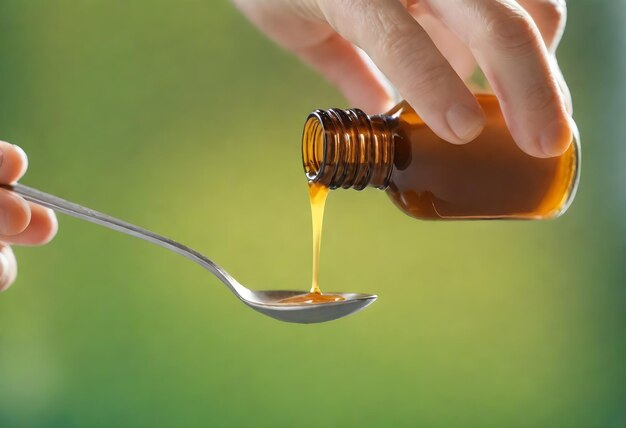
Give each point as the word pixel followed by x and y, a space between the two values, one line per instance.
pixel 87 214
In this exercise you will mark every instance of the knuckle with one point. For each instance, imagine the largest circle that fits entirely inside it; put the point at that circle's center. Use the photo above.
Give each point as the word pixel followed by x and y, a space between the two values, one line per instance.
pixel 511 29
pixel 540 97
pixel 395 44
pixel 356 20
pixel 392 33
pixel 423 73
pixel 429 79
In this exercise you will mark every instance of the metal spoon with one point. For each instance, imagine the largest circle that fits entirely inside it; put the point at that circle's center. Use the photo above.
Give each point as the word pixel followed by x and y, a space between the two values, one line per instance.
pixel 266 302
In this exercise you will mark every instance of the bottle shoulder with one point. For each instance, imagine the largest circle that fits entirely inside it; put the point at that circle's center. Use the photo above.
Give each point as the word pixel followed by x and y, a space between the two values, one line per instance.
pixel 403 111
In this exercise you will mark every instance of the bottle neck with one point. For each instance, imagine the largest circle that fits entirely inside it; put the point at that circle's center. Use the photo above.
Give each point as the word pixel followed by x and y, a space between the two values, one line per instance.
pixel 347 148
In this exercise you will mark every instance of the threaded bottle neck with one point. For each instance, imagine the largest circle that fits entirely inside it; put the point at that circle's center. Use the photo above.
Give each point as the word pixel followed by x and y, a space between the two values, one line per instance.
pixel 347 148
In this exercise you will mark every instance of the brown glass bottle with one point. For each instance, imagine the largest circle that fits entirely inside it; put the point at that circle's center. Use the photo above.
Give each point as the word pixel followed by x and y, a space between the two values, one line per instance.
pixel 429 178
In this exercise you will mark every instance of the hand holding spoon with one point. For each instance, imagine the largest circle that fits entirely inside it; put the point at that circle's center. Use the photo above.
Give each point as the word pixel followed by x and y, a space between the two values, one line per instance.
pixel 266 302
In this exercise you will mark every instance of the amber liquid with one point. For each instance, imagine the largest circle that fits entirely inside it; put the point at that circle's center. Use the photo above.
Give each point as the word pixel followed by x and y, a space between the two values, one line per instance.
pixel 488 178
pixel 317 196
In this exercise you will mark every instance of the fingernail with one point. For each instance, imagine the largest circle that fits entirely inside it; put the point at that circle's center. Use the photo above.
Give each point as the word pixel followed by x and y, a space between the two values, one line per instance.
pixel 555 138
pixel 466 122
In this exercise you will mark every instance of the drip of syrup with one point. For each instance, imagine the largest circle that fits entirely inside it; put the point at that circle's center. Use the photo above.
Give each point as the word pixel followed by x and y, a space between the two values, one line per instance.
pixel 317 195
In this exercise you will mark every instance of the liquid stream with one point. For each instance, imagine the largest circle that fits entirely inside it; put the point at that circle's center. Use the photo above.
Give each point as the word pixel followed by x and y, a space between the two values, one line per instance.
pixel 317 196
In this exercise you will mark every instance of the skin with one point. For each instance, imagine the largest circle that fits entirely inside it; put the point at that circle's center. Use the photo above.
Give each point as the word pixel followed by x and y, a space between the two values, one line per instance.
pixel 427 48
pixel 21 222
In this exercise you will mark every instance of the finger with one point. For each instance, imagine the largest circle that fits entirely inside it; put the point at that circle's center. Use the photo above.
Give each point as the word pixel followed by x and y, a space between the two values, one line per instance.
pixel 41 229
pixel 340 63
pixel 8 267
pixel 13 163
pixel 565 92
pixel 550 17
pixel 508 47
pixel 14 213
pixel 408 57
pixel 451 47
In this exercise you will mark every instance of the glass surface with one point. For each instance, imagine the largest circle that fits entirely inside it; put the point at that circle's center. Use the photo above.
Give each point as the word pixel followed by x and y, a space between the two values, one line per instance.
pixel 488 178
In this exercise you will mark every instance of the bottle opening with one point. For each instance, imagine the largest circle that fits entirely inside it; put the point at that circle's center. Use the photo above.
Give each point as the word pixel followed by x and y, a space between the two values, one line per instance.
pixel 347 148
pixel 313 149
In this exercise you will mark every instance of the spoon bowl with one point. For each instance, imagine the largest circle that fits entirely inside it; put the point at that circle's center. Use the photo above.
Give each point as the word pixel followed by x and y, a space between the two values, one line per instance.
pixel 266 302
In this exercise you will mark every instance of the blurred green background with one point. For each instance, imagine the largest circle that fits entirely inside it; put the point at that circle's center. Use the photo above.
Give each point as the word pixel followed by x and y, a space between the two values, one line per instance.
pixel 180 117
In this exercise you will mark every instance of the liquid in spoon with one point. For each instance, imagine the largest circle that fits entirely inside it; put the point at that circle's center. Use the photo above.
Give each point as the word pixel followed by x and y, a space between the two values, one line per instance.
pixel 317 195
